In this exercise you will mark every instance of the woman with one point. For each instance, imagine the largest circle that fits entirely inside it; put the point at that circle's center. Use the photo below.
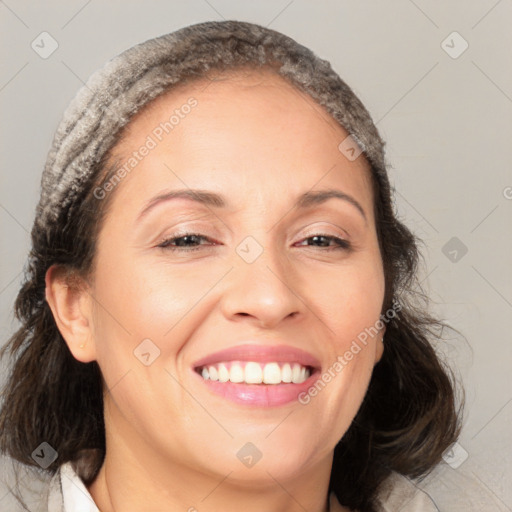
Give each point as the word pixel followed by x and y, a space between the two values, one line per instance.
pixel 218 312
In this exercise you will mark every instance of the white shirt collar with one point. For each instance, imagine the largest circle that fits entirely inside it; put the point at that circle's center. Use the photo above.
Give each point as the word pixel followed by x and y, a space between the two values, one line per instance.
pixel 75 495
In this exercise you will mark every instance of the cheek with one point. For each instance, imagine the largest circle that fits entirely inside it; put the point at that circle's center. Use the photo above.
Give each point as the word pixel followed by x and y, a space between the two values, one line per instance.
pixel 139 301
pixel 139 329
pixel 350 307
pixel 350 299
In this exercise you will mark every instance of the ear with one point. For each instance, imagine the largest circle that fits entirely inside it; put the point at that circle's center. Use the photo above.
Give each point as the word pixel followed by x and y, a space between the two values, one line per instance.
pixel 71 303
pixel 379 349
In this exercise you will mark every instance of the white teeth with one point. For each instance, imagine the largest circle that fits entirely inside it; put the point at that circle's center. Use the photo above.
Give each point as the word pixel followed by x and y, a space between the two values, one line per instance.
pixel 213 373
pixel 236 373
pixel 223 373
pixel 271 373
pixel 253 373
pixel 296 377
pixel 286 373
pixel 256 373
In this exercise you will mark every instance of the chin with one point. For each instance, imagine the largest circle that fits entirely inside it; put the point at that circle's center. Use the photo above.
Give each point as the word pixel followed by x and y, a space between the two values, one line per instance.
pixel 254 459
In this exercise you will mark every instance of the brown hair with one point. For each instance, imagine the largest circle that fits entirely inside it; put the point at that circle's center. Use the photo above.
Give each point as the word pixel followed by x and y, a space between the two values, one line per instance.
pixel 409 415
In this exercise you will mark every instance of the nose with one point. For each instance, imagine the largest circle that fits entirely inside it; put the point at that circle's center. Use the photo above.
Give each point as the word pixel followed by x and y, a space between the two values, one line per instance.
pixel 265 291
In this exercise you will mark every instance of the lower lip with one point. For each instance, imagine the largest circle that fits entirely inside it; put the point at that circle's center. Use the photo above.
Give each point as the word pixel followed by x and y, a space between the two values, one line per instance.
pixel 262 395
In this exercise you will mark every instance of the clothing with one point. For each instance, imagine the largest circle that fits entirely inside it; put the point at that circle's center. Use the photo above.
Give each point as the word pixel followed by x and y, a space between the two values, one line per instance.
pixel 66 492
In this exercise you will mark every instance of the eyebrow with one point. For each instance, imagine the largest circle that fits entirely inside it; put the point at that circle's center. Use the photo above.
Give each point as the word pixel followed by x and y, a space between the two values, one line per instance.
pixel 304 201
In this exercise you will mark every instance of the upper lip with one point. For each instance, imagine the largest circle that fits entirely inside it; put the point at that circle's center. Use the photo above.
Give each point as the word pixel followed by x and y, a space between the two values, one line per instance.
pixel 261 354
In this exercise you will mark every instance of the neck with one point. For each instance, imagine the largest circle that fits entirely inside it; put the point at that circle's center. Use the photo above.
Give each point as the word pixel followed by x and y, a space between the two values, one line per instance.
pixel 112 493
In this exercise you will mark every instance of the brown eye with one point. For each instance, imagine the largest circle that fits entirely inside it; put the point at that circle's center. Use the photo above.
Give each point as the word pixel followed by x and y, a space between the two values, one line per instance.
pixel 183 242
pixel 324 241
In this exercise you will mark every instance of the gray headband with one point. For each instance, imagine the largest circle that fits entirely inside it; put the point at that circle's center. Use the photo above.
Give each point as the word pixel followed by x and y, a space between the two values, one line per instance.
pixel 113 94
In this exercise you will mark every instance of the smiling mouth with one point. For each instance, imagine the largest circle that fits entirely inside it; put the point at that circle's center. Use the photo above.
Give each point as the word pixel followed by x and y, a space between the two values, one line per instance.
pixel 252 372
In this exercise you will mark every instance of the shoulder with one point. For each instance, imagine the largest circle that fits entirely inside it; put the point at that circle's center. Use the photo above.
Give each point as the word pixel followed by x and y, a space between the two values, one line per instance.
pixel 28 489
pixel 398 492
pixel 24 488
pixel 465 489
pixel 444 488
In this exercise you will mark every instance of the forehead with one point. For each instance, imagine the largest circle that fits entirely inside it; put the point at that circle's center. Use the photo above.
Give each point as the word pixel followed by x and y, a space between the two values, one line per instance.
pixel 245 96
pixel 248 128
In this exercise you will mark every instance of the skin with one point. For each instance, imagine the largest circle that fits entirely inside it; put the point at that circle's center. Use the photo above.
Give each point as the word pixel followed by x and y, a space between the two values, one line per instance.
pixel 171 443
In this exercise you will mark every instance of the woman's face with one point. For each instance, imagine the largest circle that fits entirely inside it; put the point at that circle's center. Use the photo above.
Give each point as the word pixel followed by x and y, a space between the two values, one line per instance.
pixel 261 269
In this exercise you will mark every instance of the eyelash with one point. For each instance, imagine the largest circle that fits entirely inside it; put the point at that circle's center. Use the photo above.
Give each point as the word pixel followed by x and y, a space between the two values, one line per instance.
pixel 166 244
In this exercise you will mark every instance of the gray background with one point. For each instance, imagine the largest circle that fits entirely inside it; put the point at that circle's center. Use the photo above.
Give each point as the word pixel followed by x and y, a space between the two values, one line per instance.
pixel 448 125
